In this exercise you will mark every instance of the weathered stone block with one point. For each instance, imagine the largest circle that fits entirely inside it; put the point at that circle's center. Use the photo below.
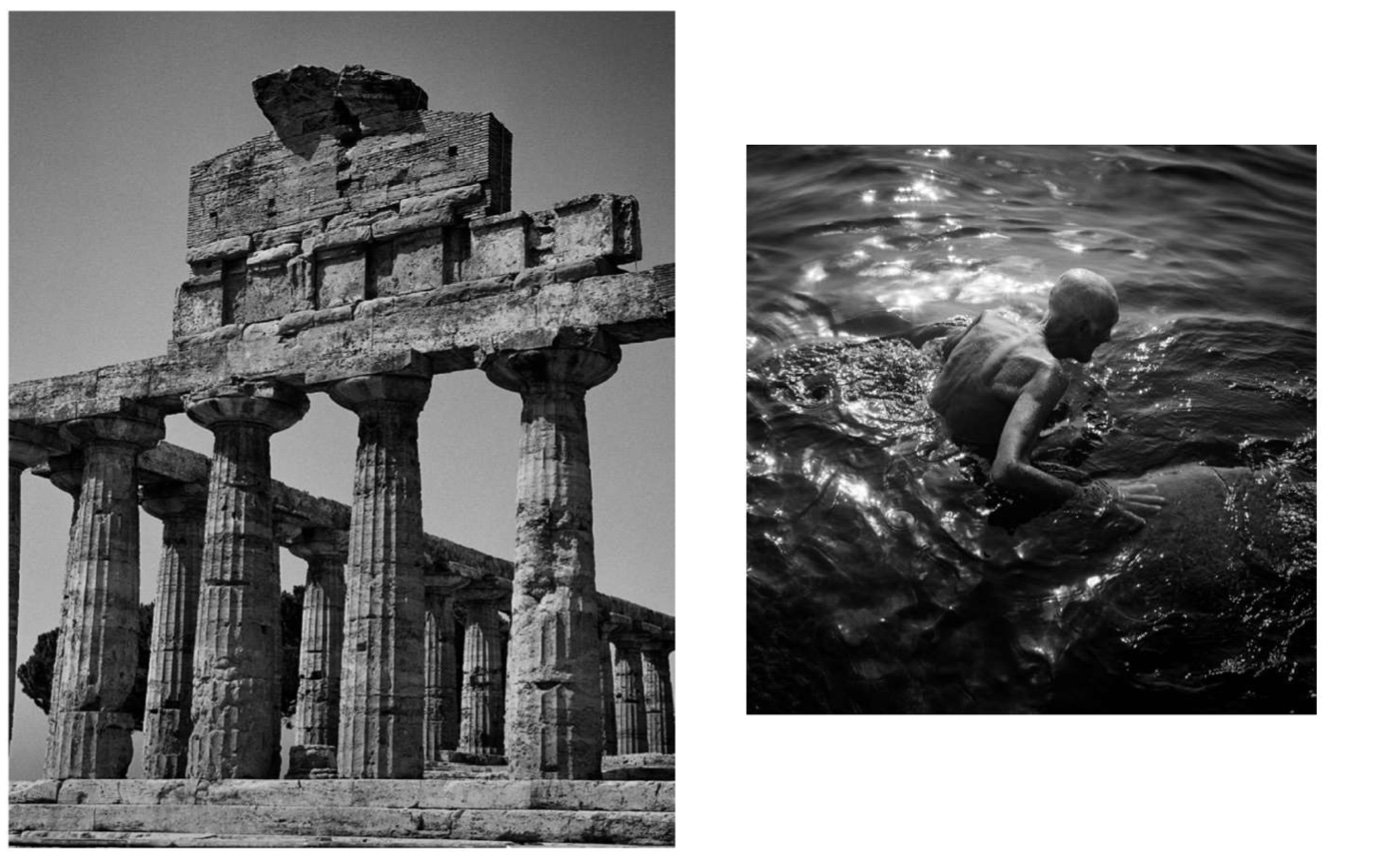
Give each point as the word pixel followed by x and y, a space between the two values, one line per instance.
pixel 340 237
pixel 340 276
pixel 418 263
pixel 499 245
pixel 34 792
pixel 237 246
pixel 277 284
pixel 595 226
pixel 291 234
pixel 444 200
pixel 275 254
pixel 422 220
pixel 199 307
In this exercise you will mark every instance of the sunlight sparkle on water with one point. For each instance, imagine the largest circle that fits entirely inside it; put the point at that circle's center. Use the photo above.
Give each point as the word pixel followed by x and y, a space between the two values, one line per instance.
pixel 920 190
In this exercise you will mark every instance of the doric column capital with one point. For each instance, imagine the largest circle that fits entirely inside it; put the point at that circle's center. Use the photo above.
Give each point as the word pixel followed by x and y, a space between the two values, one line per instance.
pixel 138 426
pixel 169 501
pixel 268 403
pixel 319 544
pixel 30 444
pixel 363 392
pixel 580 365
pixel 64 471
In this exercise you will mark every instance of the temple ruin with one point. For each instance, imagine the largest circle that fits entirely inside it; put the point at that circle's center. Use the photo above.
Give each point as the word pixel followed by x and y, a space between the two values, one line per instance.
pixel 362 247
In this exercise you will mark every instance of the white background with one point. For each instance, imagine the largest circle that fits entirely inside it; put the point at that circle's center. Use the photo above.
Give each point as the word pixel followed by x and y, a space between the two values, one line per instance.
pixel 1009 73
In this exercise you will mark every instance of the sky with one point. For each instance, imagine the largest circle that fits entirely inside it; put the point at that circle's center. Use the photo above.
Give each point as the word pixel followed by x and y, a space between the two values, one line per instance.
pixel 102 140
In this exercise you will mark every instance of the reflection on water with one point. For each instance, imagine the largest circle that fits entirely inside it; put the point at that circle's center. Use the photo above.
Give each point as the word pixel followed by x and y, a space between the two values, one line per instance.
pixel 887 575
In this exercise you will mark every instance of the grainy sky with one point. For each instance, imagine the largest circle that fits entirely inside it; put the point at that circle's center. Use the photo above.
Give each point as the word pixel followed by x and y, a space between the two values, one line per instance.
pixel 108 112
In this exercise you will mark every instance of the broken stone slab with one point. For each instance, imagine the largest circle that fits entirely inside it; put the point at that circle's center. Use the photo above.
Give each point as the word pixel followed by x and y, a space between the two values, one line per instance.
pixel 348 104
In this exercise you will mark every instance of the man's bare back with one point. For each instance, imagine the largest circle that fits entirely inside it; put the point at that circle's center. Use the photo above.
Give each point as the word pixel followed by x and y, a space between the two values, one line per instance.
pixel 987 366
pixel 1001 381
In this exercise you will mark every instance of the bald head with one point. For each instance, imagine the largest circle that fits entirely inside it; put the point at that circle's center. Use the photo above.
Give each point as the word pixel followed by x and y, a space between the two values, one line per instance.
pixel 1083 309
pixel 1084 294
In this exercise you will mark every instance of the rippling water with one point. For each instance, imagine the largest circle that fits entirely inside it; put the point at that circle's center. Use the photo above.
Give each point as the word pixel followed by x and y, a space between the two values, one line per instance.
pixel 886 576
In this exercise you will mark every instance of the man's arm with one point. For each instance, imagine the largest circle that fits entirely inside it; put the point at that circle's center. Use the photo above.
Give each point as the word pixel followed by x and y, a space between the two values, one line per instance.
pixel 1012 468
pixel 1135 499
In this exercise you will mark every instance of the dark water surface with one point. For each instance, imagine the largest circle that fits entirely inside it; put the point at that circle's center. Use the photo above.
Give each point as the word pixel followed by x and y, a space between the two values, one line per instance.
pixel 884 575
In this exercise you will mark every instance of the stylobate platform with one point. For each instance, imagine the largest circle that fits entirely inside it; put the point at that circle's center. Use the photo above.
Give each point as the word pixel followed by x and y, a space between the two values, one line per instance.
pixel 339 812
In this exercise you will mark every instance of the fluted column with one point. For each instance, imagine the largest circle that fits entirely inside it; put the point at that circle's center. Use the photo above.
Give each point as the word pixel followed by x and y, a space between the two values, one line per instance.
pixel 317 700
pixel 658 697
pixel 484 680
pixel 167 708
pixel 608 698
pixel 89 733
pixel 28 446
pixel 236 697
pixel 629 695
pixel 381 729
pixel 553 692
pixel 441 672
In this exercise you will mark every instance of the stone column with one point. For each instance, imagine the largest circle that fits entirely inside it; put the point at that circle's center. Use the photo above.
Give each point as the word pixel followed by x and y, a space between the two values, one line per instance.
pixel 608 698
pixel 553 693
pixel 629 695
pixel 29 445
pixel 236 701
pixel 441 689
pixel 484 681
pixel 89 733
pixel 321 672
pixel 382 700
pixel 167 708
pixel 658 697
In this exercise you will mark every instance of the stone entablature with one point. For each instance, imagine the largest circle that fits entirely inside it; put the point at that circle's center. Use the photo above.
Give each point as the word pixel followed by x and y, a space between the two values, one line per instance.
pixel 453 327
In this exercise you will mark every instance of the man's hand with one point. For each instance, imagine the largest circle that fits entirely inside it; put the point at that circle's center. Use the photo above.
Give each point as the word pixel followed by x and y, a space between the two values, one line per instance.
pixel 1135 499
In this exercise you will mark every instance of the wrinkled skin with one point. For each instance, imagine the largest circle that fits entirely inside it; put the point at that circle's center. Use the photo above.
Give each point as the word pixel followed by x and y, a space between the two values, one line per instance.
pixel 885 575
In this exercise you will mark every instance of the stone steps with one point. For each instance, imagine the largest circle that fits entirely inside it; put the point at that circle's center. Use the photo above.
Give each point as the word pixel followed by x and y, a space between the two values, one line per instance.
pixel 313 812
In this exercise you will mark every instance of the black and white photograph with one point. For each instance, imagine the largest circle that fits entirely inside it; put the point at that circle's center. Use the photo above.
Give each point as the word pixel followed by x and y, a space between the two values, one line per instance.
pixel 325 329
pixel 1032 429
